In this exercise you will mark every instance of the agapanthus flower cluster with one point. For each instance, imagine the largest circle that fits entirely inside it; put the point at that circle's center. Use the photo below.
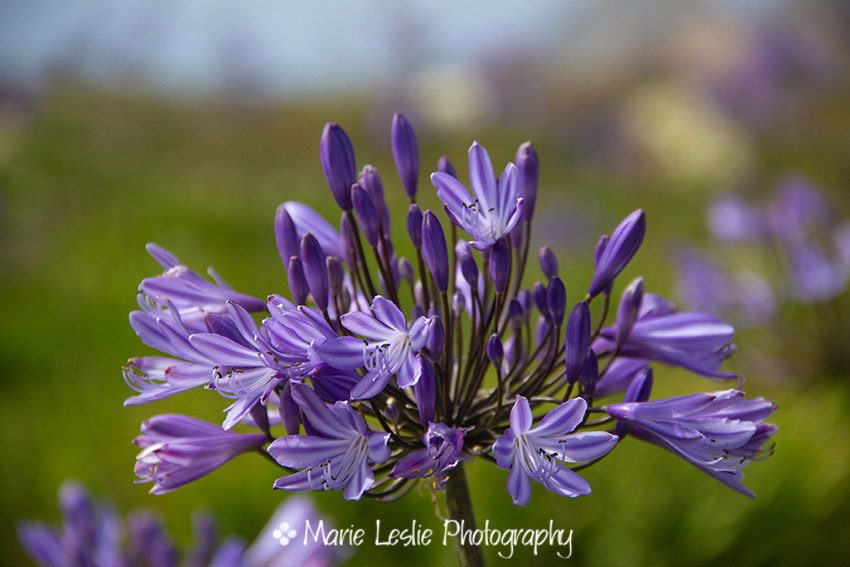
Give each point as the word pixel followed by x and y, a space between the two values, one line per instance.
pixel 92 534
pixel 395 360
pixel 794 248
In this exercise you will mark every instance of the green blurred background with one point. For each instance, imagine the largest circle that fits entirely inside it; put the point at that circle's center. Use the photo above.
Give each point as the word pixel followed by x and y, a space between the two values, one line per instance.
pixel 99 156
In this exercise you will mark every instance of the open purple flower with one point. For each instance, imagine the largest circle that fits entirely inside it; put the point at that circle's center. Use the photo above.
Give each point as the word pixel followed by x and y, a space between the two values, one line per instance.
pixel 442 452
pixel 336 453
pixel 540 452
pixel 177 449
pixel 390 348
pixel 496 206
pixel 718 432
pixel 192 296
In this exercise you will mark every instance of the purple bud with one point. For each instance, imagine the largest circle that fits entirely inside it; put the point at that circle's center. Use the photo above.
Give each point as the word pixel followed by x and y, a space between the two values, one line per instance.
pixel 515 309
pixel 500 264
pixel 548 262
pixel 495 352
pixel 371 181
pixel 349 242
pixel 458 303
pixel 540 299
pixel 628 310
pixel 524 298
pixel 336 275
pixel 601 244
pixel 445 166
pixel 337 156
pixel 285 235
pixel 405 270
pixel 425 392
pixel 640 387
pixel 406 153
pixel 315 270
pixel 436 338
pixel 468 265
pixel 434 250
pixel 578 340
pixel 297 283
pixel 589 374
pixel 556 298
pixel 366 214
pixel 529 171
pixel 414 225
pixel 621 248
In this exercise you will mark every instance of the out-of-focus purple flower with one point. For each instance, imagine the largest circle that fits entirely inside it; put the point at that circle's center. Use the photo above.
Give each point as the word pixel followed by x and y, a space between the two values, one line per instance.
pixel 496 207
pixel 390 348
pixel 529 175
pixel 335 455
pixel 275 546
pixel 815 276
pixel 704 286
pixel 798 208
pixel 540 452
pixel 730 219
pixel 414 225
pixel 406 153
pixel 618 252
pixel 307 220
pixel 191 296
pixel 337 156
pixel 698 342
pixel 442 452
pixel 718 432
pixel 434 250
pixel 177 449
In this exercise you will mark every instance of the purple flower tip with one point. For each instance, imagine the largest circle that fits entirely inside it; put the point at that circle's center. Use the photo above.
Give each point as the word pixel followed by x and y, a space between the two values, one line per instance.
pixel 337 157
pixel 406 153
pixel 618 252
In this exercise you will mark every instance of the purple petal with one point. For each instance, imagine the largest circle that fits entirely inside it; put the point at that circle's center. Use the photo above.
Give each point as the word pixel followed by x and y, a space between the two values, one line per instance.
pixel 521 417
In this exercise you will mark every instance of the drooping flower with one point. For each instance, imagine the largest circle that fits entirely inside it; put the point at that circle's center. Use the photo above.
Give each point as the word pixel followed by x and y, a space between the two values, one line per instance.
pixel 718 432
pixel 495 207
pixel 177 449
pixel 390 348
pixel 699 342
pixel 541 452
pixel 442 452
pixel 335 455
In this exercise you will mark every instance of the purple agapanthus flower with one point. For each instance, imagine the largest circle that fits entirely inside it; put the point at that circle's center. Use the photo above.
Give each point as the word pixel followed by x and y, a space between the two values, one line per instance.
pixel 496 206
pixel 93 534
pixel 177 449
pixel 423 362
pixel 390 348
pixel 442 452
pixel 718 432
pixel 541 452
pixel 336 453
pixel 191 296
pixel 699 342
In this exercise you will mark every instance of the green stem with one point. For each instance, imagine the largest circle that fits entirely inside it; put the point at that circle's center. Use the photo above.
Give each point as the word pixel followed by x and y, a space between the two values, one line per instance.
pixel 459 506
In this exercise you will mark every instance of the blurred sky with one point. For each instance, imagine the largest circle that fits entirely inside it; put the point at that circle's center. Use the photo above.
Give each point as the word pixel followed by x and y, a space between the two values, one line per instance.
pixel 296 48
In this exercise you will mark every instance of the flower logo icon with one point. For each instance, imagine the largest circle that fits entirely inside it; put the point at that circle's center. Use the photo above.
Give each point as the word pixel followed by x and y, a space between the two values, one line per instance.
pixel 284 533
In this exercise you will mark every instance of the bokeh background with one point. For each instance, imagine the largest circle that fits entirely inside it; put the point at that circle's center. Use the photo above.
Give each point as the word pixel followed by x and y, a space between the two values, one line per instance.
pixel 187 122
